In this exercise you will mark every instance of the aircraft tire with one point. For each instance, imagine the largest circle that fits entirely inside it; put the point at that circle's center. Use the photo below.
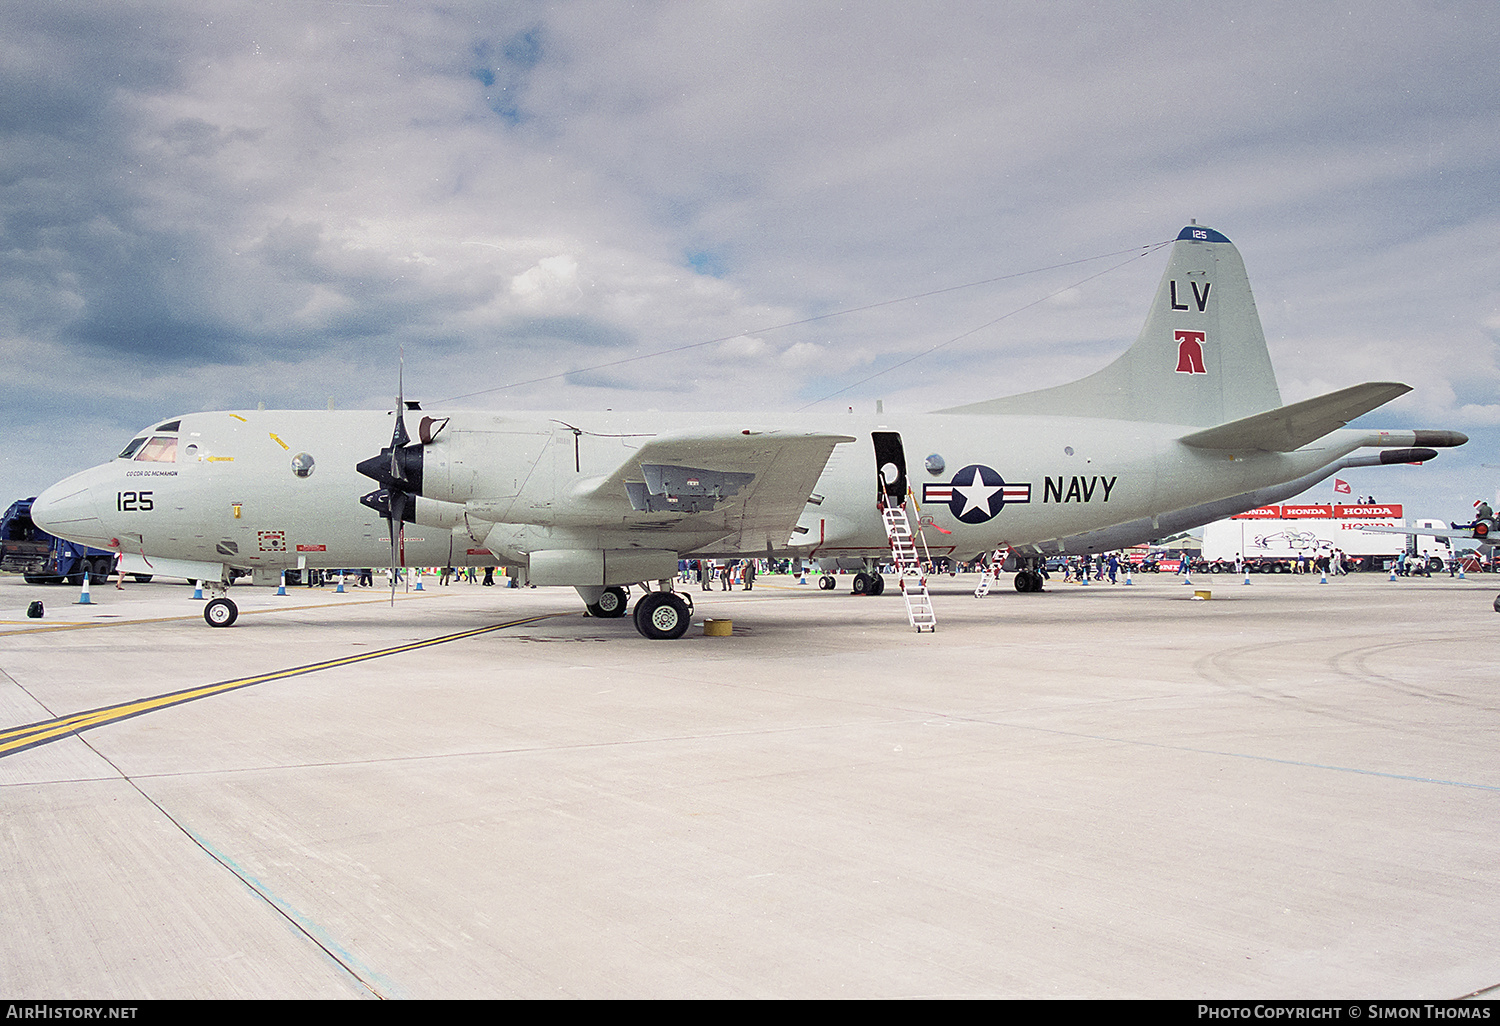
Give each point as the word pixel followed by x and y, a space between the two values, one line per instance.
pixel 877 584
pixel 827 583
pixel 221 612
pixel 861 585
pixel 662 616
pixel 611 604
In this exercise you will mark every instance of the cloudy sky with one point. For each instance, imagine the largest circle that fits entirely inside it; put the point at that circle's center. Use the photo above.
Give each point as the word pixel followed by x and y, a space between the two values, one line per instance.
pixel 214 205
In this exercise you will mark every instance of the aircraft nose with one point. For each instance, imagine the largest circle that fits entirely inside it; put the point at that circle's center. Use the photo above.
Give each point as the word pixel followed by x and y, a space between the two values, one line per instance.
pixel 68 510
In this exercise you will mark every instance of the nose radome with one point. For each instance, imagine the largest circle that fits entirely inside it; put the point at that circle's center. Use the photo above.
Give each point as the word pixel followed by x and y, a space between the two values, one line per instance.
pixel 68 510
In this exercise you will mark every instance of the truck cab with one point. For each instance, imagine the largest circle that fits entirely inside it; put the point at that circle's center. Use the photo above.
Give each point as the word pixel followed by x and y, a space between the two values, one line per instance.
pixel 43 559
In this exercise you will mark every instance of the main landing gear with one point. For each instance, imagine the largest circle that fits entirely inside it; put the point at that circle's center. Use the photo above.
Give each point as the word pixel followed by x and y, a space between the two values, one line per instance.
pixel 660 615
pixel 612 603
pixel 1029 577
pixel 868 583
pixel 1028 580
pixel 663 615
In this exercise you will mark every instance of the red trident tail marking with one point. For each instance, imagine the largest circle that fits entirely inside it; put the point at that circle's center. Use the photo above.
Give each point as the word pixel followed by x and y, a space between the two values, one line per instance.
pixel 1190 352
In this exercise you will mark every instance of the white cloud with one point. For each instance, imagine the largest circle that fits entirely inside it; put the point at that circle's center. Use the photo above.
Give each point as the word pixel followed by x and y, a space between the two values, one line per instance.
pixel 551 284
pixel 277 196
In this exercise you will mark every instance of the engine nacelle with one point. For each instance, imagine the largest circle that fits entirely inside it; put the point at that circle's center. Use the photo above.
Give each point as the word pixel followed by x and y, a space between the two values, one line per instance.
pixel 600 567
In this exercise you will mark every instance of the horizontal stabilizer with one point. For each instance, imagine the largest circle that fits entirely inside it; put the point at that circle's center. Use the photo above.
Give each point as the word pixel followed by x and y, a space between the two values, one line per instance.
pixel 1291 427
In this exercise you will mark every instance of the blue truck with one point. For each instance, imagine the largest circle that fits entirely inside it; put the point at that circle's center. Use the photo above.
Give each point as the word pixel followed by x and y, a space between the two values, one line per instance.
pixel 27 549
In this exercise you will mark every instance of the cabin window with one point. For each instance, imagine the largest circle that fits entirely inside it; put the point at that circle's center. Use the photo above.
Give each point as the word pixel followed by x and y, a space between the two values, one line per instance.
pixel 161 449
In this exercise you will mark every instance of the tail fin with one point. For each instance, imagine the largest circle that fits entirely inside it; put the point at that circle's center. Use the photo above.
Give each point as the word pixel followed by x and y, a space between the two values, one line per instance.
pixel 1200 360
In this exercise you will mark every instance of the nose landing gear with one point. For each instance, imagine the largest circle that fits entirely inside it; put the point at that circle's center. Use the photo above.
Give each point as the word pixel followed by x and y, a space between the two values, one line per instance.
pixel 221 612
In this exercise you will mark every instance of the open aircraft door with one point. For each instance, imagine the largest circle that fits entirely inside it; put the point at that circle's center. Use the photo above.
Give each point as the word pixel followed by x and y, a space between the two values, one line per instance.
pixel 890 465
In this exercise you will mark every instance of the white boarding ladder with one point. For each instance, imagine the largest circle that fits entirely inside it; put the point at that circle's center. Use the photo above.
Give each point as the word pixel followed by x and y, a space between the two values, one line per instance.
pixel 912 578
pixel 990 570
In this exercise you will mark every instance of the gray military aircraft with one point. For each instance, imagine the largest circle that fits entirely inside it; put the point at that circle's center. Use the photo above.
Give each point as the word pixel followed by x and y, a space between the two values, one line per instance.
pixel 1187 426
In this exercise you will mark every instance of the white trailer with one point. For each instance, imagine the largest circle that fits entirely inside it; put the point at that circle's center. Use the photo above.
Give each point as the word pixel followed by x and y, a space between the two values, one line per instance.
pixel 1272 538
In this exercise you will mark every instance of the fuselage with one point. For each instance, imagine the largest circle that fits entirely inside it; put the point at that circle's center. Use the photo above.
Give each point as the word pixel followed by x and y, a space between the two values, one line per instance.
pixel 269 489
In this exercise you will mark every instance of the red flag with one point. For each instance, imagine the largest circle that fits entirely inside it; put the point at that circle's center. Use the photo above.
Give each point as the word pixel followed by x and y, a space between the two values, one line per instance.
pixel 1341 486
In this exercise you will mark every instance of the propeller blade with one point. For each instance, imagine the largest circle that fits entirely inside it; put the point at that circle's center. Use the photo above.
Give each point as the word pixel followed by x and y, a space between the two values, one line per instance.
pixel 398 537
pixel 398 470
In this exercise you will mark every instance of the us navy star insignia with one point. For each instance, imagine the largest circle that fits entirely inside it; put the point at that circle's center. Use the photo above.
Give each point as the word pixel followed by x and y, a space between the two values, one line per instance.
pixel 976 494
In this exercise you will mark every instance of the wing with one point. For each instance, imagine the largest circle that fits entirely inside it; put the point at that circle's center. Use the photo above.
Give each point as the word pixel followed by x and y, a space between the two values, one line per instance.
pixel 745 487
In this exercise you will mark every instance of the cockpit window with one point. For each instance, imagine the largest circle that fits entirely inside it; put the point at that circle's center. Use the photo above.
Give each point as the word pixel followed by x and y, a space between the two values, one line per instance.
pixel 129 450
pixel 161 449
pixel 171 425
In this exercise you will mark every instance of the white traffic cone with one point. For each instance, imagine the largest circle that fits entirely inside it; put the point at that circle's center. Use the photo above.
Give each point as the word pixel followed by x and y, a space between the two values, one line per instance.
pixel 83 598
pixel 281 589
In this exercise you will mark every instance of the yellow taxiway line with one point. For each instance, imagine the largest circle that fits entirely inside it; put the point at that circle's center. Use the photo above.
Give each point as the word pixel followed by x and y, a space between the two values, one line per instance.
pixel 19 739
